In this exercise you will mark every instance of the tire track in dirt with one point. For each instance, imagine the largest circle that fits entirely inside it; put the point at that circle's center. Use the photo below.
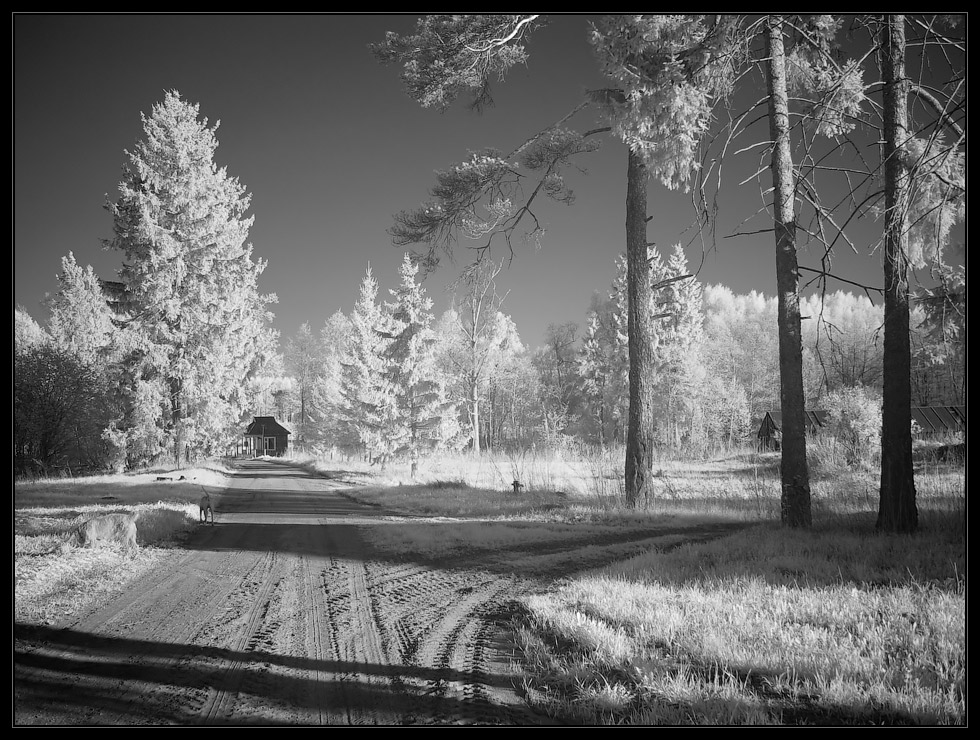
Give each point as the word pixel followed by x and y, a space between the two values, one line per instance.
pixel 364 645
pixel 320 644
pixel 172 607
pixel 253 602
pixel 453 648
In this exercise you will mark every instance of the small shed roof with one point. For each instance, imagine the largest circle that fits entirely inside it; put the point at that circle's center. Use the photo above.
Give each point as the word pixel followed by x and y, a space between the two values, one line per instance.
pixel 266 426
pixel 814 419
pixel 940 418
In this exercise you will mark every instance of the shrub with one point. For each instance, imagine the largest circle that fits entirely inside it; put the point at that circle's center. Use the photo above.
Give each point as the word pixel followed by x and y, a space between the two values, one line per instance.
pixel 854 418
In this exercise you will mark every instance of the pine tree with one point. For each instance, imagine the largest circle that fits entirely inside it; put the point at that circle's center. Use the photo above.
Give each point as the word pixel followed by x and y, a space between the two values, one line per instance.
pixel 81 320
pixel 82 325
pixel 420 402
pixel 180 223
pixel 27 332
pixel 594 370
pixel 329 428
pixel 794 472
pixel 369 398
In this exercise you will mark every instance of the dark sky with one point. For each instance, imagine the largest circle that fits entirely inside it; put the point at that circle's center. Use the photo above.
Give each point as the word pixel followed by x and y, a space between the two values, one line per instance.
pixel 330 147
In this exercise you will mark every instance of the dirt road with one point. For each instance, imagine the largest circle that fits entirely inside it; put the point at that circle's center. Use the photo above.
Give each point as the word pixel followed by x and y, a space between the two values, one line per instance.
pixel 285 613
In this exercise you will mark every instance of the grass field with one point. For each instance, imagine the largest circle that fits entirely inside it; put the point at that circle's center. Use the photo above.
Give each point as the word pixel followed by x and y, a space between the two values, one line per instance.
pixel 838 625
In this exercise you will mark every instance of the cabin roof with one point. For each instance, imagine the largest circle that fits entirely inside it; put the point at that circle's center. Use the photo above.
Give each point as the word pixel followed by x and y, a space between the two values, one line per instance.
pixel 266 426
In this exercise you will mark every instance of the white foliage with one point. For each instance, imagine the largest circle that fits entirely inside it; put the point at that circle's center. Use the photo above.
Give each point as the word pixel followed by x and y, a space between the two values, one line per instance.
pixel 180 222
pixel 671 69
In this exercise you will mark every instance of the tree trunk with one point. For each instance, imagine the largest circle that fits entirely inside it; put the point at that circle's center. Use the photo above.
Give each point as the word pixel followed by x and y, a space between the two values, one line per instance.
pixel 475 415
pixel 642 341
pixel 896 505
pixel 176 415
pixel 795 499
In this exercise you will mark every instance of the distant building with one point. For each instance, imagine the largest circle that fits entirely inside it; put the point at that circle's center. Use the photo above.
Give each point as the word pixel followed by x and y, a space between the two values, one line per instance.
pixel 938 421
pixel 771 427
pixel 928 421
pixel 265 436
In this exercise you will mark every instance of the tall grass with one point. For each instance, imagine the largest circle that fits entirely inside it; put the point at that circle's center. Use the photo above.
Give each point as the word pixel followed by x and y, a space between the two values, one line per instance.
pixel 836 625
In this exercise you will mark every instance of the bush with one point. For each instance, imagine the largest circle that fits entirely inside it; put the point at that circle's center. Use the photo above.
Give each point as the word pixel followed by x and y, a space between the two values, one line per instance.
pixel 854 419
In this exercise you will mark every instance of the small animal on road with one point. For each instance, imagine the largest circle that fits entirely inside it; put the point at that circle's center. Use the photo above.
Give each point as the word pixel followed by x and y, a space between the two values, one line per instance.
pixel 206 508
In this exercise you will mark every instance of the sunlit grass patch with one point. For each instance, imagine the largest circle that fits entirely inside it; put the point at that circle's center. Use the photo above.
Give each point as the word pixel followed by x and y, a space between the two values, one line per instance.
pixel 722 631
pixel 820 557
pixel 54 578
pixel 120 490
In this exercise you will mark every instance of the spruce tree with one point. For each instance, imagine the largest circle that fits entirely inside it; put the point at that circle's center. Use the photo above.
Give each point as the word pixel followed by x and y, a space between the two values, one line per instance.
pixel 81 319
pixel 368 394
pixel 420 398
pixel 180 223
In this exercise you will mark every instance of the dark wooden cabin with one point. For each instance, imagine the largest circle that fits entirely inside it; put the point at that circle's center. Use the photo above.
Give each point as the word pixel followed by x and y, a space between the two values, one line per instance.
pixel 265 436
pixel 770 429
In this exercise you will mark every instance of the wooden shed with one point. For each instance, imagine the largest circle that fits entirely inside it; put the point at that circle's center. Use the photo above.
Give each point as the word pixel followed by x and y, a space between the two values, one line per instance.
pixel 265 436
pixel 937 421
pixel 770 429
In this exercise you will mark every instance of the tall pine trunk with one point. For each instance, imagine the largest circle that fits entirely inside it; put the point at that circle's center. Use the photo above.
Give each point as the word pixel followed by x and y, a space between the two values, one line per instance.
pixel 642 342
pixel 795 499
pixel 896 505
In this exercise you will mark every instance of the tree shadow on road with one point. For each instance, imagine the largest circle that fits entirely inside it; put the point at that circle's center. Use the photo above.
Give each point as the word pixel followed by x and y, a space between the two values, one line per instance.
pixel 66 672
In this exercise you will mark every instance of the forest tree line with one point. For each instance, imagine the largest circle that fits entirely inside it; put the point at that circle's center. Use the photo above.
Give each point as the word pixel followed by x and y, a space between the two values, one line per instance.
pixel 717 371
pixel 391 379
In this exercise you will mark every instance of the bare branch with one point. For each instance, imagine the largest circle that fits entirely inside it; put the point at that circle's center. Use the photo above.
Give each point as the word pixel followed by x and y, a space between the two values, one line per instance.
pixel 748 233
pixel 865 288
pixel 491 44
pixel 664 283
pixel 927 97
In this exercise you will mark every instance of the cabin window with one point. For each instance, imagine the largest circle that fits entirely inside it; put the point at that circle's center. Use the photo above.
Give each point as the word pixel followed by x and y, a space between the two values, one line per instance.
pixel 270 443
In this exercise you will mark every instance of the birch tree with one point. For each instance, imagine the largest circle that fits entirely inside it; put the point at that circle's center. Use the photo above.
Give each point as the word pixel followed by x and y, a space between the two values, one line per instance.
pixel 302 358
pixel 476 334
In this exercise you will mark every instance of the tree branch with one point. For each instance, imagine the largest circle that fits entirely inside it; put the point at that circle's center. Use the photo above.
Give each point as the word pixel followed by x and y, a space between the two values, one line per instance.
pixel 865 288
pixel 928 98
pixel 492 43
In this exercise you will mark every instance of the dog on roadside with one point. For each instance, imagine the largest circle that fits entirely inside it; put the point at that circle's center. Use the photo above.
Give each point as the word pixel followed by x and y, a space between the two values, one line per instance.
pixel 206 509
pixel 110 529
